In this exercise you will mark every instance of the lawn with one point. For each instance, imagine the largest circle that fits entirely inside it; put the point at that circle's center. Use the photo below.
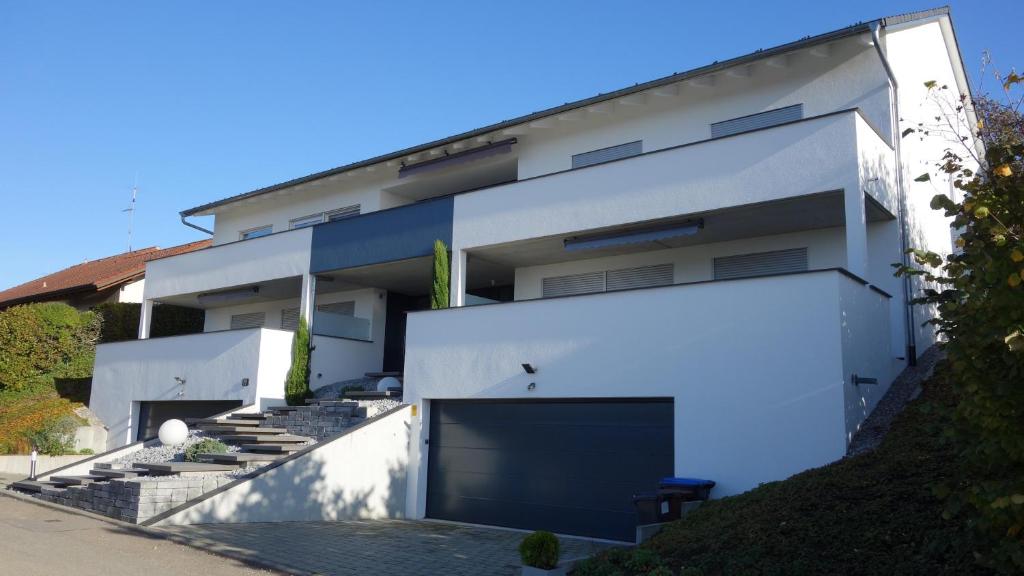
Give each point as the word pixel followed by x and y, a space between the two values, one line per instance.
pixel 873 514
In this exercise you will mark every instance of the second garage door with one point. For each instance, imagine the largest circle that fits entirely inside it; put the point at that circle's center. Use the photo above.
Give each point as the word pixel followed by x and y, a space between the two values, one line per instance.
pixel 568 466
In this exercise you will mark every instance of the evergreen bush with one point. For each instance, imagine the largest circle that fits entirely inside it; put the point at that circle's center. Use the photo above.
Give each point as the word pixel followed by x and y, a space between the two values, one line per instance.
pixel 539 550
pixel 439 290
pixel 296 389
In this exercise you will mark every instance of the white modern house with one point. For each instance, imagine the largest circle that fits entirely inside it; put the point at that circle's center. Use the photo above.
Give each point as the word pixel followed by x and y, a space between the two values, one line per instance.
pixel 691 276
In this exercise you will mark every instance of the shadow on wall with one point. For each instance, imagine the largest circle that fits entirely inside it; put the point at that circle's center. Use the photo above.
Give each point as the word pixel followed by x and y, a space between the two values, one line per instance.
pixel 360 474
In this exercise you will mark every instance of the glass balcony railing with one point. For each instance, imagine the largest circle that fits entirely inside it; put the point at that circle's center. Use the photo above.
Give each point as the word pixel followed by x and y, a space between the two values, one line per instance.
pixel 341 326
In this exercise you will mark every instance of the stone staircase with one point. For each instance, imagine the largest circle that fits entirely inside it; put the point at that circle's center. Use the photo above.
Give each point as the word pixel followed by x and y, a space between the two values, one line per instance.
pixel 142 490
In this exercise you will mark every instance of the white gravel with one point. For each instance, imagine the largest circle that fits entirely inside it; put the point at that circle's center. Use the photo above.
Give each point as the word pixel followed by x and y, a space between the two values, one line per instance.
pixel 160 453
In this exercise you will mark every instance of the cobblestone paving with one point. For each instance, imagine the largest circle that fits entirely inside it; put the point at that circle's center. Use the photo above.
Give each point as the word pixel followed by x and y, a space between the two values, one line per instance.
pixel 379 547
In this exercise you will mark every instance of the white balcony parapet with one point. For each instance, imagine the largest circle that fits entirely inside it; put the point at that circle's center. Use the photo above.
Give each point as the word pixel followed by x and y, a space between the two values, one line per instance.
pixel 281 255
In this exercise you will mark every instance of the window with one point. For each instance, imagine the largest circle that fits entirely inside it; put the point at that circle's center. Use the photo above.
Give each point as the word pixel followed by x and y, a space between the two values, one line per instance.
pixel 342 213
pixel 290 319
pixel 250 320
pixel 256 232
pixel 343 308
pixel 755 121
pixel 311 220
pixel 608 281
pixel 607 154
pixel 761 264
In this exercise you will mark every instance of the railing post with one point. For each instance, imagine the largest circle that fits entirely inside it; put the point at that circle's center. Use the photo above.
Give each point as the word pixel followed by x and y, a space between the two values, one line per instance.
pixel 457 297
pixel 307 301
pixel 856 231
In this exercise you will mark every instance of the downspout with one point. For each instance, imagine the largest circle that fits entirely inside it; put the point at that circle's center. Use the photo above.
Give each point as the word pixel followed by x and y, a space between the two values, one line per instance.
pixel 196 226
pixel 894 115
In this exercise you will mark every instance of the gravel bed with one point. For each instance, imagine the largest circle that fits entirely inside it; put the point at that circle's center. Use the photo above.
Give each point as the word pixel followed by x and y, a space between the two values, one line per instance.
pixel 905 388
pixel 159 453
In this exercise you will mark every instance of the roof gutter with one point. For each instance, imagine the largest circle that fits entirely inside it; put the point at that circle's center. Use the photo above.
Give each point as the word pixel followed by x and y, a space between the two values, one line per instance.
pixel 196 226
pixel 894 115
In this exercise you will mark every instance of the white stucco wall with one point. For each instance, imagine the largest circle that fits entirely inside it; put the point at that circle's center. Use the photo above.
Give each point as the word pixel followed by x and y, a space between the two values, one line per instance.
pixel 755 367
pixel 360 475
pixel 826 248
pixel 917 54
pixel 131 292
pixel 213 365
pixel 783 162
pixel 284 255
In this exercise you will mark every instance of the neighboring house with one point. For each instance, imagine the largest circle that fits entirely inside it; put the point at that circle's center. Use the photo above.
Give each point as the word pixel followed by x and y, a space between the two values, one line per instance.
pixel 119 278
pixel 690 276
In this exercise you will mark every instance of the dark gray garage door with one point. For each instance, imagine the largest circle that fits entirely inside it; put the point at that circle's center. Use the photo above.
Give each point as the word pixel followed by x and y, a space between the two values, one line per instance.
pixel 153 414
pixel 568 466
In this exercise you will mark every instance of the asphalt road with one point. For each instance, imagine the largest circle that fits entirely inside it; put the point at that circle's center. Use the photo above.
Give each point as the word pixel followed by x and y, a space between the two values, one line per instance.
pixel 41 541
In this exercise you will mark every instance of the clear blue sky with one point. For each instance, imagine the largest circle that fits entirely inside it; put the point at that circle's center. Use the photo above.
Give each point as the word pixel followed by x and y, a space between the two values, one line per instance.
pixel 209 99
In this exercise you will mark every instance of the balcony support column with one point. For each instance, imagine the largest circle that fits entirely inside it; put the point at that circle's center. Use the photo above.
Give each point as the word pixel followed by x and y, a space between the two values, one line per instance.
pixel 307 300
pixel 457 297
pixel 856 232
pixel 145 319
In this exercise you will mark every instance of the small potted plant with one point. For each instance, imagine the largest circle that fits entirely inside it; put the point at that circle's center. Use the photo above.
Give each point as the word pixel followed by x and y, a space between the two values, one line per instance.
pixel 539 553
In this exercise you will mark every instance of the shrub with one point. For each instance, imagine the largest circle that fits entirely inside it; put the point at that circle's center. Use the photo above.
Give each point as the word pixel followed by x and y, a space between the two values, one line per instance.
pixel 40 342
pixel 86 451
pixel 296 387
pixel 980 298
pixel 539 550
pixel 442 277
pixel 56 437
pixel 205 446
pixel 121 320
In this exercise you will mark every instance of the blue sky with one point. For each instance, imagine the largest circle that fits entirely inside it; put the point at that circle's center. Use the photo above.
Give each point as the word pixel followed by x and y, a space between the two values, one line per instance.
pixel 208 99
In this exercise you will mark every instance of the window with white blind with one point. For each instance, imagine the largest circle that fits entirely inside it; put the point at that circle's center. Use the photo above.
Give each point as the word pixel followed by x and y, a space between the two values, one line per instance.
pixel 290 319
pixel 755 121
pixel 311 220
pixel 255 232
pixel 249 320
pixel 344 308
pixel 761 264
pixel 342 213
pixel 608 280
pixel 608 154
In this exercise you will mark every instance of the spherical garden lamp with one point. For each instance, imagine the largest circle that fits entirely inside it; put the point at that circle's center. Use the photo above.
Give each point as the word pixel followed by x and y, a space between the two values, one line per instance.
pixel 387 383
pixel 173 433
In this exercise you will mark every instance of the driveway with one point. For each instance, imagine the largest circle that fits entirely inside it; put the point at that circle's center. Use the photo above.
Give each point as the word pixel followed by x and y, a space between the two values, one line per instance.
pixel 378 547
pixel 42 541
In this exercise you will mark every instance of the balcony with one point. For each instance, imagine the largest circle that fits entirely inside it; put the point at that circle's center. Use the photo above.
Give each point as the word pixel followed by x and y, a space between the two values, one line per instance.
pixel 179 279
pixel 760 367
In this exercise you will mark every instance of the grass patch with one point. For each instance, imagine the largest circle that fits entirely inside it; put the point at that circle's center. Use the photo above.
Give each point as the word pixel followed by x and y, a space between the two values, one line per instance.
pixel 873 514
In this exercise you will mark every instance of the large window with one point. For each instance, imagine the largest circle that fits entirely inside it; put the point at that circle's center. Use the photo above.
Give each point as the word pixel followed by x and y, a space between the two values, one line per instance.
pixel 608 154
pixel 320 217
pixel 249 320
pixel 255 232
pixel 608 280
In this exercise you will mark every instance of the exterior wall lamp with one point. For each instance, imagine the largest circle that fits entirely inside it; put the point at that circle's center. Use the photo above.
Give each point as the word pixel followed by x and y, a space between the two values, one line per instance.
pixel 858 380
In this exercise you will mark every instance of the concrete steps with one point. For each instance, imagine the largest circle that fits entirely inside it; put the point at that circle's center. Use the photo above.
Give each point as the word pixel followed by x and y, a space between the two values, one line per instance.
pixel 119 472
pixel 32 485
pixel 228 429
pixel 183 468
pixel 240 458
pixel 264 438
pixel 247 422
pixel 76 480
pixel 272 448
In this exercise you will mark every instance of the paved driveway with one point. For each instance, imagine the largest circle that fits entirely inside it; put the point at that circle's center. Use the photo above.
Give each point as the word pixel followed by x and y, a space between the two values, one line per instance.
pixel 379 547
pixel 41 541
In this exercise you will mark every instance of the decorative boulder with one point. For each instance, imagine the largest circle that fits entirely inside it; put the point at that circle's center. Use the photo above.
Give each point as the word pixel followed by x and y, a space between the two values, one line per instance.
pixel 173 433
pixel 388 382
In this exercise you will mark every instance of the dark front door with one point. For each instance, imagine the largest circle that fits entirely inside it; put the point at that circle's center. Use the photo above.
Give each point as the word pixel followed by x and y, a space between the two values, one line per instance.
pixel 394 328
pixel 153 414
pixel 568 466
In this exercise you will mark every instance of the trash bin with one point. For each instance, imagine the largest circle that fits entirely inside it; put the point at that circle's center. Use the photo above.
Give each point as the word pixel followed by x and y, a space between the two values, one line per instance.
pixel 648 506
pixel 675 491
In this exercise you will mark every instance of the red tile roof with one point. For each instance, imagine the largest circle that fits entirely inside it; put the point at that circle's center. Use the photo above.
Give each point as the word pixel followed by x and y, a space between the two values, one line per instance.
pixel 94 275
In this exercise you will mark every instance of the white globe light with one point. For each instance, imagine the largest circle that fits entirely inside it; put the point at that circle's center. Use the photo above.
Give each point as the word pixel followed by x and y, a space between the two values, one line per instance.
pixel 388 382
pixel 173 433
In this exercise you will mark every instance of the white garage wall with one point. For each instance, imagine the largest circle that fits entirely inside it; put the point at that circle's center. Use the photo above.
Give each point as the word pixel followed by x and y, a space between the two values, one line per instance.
pixel 755 367
pixel 213 365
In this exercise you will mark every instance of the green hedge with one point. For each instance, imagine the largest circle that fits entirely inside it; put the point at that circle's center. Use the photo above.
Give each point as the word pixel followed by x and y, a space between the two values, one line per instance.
pixel 121 321
pixel 40 342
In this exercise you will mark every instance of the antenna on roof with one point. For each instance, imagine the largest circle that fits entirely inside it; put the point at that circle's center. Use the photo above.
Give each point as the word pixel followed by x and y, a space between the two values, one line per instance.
pixel 131 210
